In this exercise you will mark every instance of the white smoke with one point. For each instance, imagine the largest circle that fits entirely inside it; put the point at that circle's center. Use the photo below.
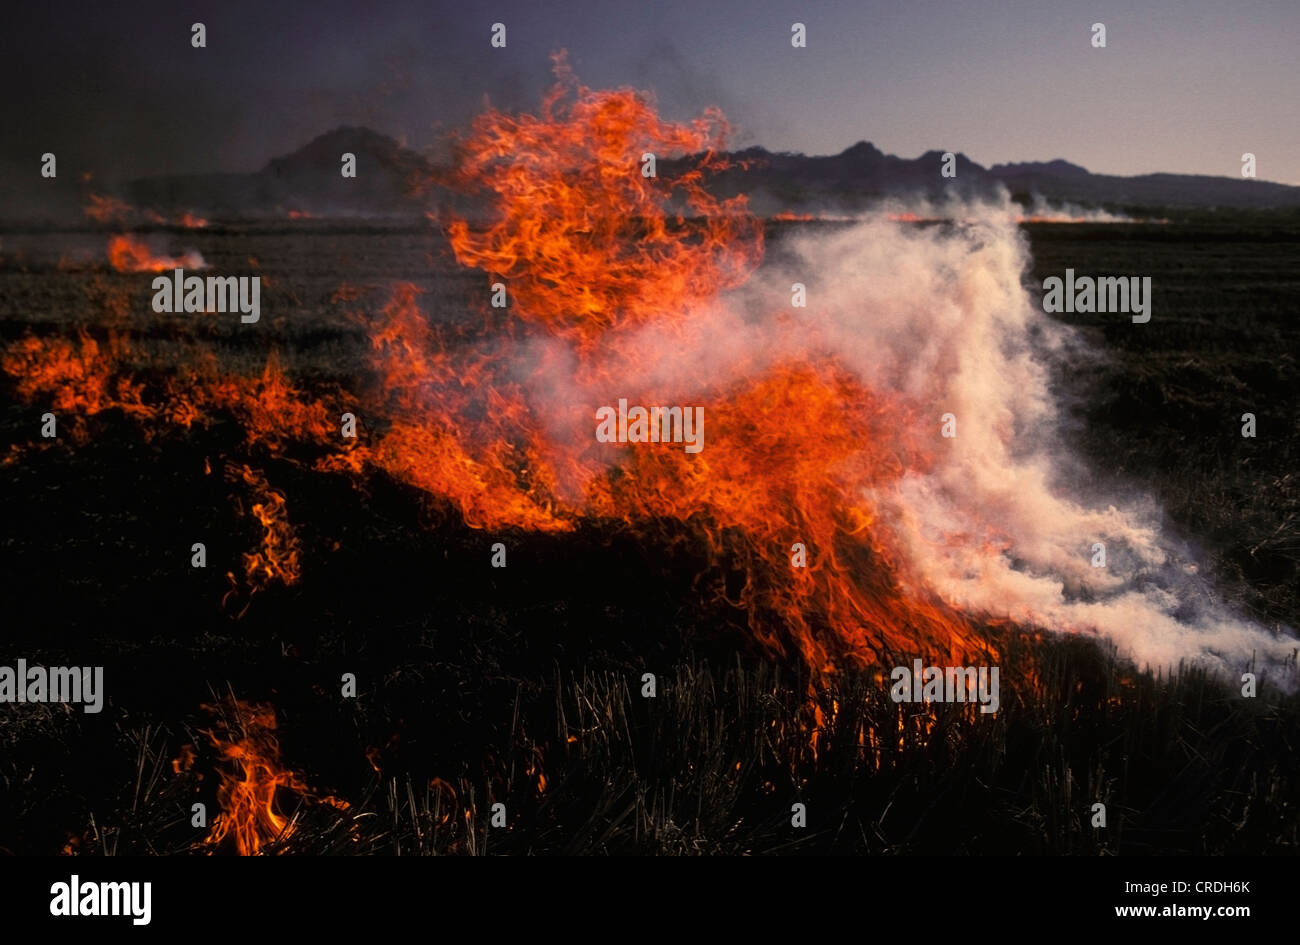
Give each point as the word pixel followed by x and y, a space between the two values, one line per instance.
pixel 1041 210
pixel 935 317
pixel 1000 526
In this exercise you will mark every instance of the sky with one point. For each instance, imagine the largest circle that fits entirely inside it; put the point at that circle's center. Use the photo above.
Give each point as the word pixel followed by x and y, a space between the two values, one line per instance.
pixel 1183 86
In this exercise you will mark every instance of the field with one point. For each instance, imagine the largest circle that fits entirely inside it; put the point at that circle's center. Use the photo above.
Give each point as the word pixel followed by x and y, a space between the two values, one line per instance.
pixel 522 685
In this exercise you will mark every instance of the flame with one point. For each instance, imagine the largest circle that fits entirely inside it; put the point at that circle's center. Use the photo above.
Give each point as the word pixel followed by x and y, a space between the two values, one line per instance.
pixel 534 769
pixel 80 376
pixel 609 272
pixel 279 553
pixel 581 234
pixel 592 250
pixel 105 209
pixel 128 254
pixel 185 760
pixel 253 779
pixel 278 557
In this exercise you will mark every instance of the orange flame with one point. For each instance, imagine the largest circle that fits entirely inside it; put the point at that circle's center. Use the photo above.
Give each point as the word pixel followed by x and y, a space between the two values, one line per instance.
pixel 571 198
pixel 105 209
pixel 590 248
pixel 598 256
pixel 278 556
pixel 128 254
pixel 253 779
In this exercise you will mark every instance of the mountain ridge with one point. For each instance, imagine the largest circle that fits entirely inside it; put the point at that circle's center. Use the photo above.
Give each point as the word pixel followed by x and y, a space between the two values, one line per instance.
pixel 393 180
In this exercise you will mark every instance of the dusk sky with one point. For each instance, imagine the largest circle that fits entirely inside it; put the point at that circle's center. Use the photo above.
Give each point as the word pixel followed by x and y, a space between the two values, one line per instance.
pixel 1183 85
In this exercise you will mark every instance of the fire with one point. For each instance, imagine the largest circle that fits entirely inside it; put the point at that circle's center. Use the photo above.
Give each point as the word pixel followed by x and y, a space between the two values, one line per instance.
pixel 581 234
pixel 128 254
pixel 80 377
pixel 593 251
pixel 610 274
pixel 253 779
pixel 105 209
pixel 278 555
pixel 84 377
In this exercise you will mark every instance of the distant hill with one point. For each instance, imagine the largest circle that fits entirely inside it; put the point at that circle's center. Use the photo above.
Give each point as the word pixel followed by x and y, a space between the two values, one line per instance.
pixel 308 181
pixel 395 181
pixel 863 174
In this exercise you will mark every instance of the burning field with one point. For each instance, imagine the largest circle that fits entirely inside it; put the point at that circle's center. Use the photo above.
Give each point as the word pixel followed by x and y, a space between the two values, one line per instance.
pixel 600 518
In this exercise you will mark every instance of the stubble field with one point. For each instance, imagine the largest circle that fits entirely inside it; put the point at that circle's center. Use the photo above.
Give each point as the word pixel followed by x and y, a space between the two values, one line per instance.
pixel 521 685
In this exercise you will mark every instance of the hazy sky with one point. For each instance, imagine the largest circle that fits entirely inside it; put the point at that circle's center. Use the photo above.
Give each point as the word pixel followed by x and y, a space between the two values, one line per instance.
pixel 1183 85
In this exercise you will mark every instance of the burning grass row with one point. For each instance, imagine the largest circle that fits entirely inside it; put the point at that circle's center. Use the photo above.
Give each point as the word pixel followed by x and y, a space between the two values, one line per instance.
pixel 583 764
